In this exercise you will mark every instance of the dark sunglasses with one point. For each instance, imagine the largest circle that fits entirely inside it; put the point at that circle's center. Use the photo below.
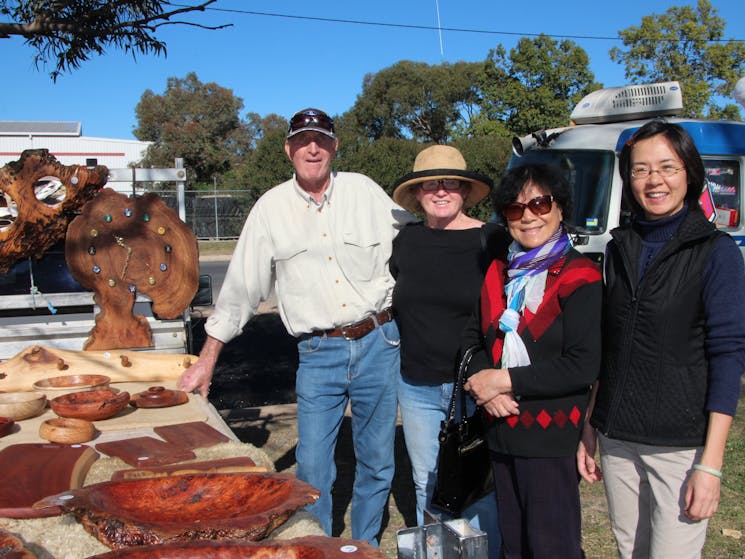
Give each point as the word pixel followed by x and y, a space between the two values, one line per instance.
pixel 540 205
pixel 311 118
pixel 436 184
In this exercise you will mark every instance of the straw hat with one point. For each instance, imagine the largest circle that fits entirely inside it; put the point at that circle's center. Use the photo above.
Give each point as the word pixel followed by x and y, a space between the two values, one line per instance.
pixel 439 162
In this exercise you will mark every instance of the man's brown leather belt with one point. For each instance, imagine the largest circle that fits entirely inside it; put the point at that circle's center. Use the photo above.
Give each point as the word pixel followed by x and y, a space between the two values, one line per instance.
pixel 356 330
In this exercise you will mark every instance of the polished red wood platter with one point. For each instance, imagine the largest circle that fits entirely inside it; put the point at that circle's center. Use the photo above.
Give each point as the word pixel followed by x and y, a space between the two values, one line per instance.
pixel 195 434
pixel 245 506
pixel 142 452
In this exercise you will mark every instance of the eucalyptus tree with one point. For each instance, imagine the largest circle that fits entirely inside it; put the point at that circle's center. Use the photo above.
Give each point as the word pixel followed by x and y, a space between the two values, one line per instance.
pixel 686 44
pixel 67 33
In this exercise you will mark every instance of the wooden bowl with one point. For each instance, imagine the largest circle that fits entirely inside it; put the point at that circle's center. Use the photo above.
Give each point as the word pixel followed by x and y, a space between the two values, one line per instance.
pixel 159 397
pixel 67 430
pixel 21 405
pixel 241 506
pixel 6 425
pixel 306 547
pixel 93 405
pixel 12 547
pixel 66 384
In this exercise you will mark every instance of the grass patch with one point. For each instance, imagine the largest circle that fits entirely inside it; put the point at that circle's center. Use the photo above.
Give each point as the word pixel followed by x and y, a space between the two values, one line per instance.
pixel 216 247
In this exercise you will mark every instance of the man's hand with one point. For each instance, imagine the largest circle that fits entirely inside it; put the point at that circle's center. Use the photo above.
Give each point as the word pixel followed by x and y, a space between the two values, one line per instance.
pixel 198 377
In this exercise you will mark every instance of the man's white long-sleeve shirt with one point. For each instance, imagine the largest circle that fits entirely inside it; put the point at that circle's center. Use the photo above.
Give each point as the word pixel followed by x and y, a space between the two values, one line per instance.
pixel 327 260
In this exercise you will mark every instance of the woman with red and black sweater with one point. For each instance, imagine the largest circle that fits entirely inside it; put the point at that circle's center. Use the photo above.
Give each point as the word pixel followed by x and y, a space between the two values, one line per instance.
pixel 538 325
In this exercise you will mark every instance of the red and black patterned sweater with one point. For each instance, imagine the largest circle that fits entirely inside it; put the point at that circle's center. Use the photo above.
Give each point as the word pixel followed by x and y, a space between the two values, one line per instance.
pixel 563 341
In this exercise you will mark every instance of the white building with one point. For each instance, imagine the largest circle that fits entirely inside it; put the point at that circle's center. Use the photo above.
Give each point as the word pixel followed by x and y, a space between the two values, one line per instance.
pixel 66 142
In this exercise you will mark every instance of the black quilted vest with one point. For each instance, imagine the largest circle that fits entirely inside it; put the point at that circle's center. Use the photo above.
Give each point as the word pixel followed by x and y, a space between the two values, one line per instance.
pixel 653 381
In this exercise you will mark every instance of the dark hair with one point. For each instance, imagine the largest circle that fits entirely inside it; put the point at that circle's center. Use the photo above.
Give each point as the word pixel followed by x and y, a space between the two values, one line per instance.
pixel 685 149
pixel 548 178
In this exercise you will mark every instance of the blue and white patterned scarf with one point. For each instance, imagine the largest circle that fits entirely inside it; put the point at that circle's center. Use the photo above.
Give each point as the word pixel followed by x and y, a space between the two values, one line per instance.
pixel 527 273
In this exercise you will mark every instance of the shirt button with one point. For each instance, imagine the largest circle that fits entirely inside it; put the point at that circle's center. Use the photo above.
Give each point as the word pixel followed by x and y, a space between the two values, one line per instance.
pixel 343 305
pixel 330 258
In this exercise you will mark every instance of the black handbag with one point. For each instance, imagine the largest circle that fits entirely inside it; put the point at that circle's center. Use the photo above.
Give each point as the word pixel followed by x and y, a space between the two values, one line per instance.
pixel 464 472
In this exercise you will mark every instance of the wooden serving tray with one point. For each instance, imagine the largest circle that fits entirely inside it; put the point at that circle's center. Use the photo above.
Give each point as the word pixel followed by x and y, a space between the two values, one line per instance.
pixel 142 452
pixel 33 471
pixel 195 434
pixel 236 464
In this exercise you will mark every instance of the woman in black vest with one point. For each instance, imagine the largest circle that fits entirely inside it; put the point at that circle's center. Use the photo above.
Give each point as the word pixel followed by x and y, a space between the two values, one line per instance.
pixel 673 353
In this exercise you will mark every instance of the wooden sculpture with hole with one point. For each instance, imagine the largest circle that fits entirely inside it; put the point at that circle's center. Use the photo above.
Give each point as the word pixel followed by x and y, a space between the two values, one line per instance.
pixel 38 197
pixel 121 246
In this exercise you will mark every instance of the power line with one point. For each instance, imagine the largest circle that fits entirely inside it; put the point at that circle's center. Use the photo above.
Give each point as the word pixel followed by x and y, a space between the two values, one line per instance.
pixel 431 28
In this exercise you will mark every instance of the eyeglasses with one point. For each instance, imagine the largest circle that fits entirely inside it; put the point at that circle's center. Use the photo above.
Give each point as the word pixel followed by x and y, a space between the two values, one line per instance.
pixel 435 185
pixel 540 205
pixel 311 118
pixel 664 171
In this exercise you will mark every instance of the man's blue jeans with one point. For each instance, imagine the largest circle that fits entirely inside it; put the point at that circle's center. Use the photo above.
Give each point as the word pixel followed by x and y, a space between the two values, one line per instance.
pixel 332 372
pixel 423 407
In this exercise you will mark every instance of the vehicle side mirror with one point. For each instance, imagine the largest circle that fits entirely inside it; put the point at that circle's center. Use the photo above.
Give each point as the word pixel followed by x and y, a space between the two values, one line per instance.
pixel 203 297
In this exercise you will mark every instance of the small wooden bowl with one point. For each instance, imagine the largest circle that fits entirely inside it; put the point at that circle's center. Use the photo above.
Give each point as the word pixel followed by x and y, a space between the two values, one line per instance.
pixel 67 430
pixel 6 425
pixel 93 405
pixel 22 405
pixel 66 384
pixel 159 397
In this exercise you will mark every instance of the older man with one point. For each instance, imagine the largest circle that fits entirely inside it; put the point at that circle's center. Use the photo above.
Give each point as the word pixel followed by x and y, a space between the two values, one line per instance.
pixel 323 241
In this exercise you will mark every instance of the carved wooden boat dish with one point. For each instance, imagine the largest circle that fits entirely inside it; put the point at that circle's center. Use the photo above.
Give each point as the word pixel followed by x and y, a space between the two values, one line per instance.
pixel 244 506
pixel 93 405
pixel 13 548
pixel 308 547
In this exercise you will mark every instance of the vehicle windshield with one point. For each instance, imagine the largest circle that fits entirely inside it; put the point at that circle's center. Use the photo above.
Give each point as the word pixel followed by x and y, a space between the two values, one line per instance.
pixel 590 173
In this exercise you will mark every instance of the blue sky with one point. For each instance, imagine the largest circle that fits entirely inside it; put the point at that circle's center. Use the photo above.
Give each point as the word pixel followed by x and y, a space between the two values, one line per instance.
pixel 280 64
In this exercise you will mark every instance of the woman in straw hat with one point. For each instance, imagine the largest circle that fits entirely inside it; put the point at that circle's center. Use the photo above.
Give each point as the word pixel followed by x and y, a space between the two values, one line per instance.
pixel 439 266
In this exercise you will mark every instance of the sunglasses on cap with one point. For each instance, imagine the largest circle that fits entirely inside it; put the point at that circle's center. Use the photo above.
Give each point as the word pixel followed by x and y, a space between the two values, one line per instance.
pixel 437 184
pixel 313 119
pixel 541 205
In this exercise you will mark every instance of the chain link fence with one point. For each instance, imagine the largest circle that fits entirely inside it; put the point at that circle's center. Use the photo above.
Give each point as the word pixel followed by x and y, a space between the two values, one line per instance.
pixel 213 215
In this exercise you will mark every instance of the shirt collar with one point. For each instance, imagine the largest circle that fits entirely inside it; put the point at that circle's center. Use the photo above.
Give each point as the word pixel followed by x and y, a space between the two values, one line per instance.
pixel 309 199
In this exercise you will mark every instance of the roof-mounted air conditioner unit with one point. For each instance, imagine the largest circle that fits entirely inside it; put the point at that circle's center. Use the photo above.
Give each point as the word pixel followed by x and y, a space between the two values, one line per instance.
pixel 630 102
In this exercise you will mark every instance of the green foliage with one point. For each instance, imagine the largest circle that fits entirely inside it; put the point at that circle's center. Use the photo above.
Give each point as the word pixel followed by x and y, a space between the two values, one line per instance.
pixel 267 165
pixel 70 32
pixel 197 121
pixel 384 160
pixel 536 86
pixel 417 101
pixel 686 44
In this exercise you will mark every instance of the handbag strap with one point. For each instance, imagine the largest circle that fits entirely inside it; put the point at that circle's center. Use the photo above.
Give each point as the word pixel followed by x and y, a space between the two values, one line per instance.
pixel 460 380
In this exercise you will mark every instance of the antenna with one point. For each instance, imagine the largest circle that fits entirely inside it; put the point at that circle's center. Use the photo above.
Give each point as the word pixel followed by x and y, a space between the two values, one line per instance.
pixel 439 27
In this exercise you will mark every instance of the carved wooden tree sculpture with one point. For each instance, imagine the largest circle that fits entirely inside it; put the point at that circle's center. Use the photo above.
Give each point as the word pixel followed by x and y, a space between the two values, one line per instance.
pixel 120 246
pixel 38 198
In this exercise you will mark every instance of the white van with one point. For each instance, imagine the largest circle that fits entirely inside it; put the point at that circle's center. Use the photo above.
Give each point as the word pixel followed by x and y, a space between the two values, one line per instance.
pixel 588 150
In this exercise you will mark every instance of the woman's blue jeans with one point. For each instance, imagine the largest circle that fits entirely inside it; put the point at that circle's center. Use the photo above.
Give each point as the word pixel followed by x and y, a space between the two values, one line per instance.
pixel 333 372
pixel 423 407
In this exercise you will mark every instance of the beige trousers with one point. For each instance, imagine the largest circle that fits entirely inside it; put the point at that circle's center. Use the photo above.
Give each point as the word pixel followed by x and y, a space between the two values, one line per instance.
pixel 645 486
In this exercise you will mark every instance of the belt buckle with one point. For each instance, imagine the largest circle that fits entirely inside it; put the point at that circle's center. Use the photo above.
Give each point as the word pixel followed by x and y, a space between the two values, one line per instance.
pixel 343 330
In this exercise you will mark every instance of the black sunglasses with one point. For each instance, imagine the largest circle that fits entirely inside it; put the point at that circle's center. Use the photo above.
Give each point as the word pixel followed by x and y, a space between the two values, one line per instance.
pixel 311 118
pixel 540 205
